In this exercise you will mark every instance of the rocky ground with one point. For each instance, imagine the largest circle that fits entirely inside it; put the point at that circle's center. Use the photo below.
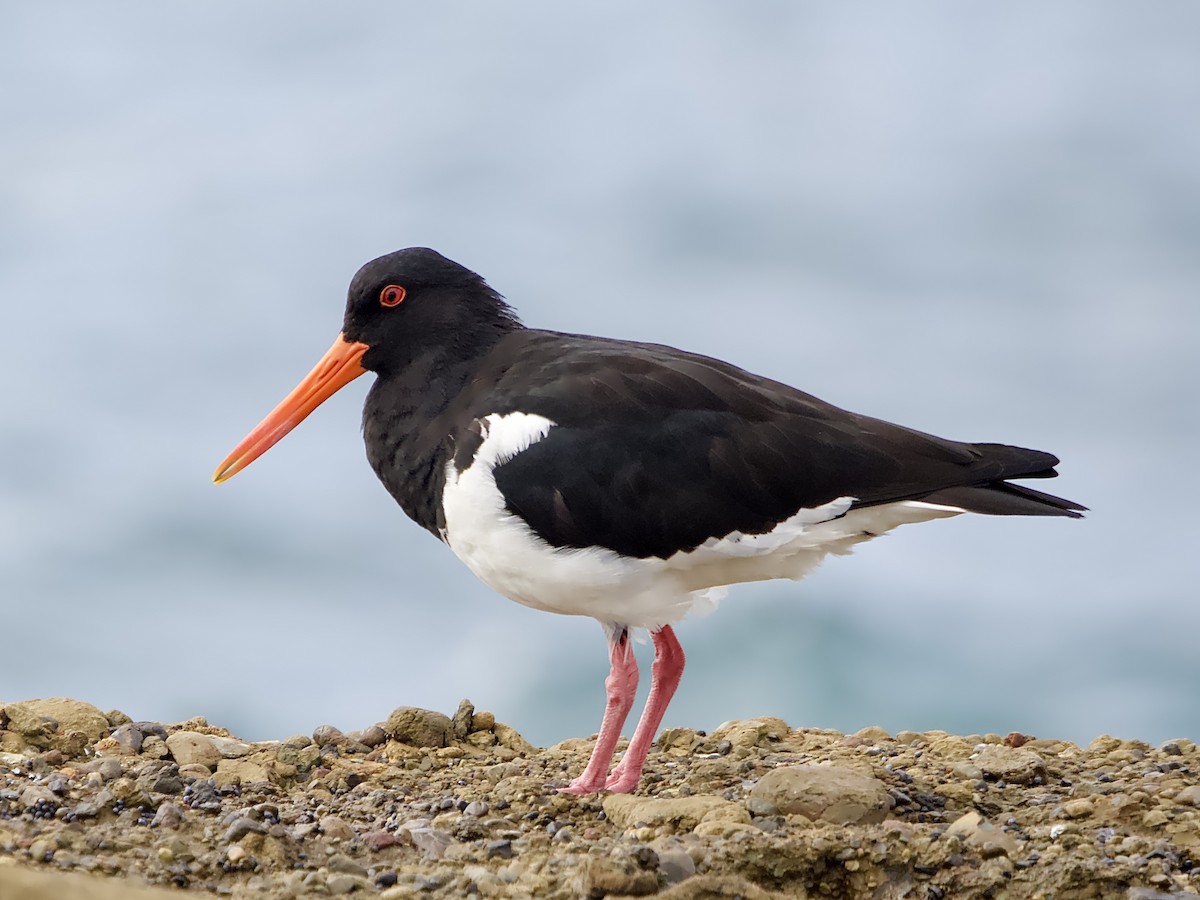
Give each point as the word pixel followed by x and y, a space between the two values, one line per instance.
pixel 94 805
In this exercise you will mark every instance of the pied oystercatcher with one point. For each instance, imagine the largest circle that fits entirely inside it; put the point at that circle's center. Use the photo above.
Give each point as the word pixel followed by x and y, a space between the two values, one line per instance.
pixel 624 481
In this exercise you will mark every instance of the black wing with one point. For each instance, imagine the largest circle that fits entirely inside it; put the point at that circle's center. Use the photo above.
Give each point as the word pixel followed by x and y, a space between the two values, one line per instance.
pixel 656 450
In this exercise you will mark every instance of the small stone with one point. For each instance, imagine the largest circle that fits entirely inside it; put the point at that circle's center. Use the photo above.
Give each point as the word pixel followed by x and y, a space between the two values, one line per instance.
pixel 419 727
pixel 341 883
pixel 675 865
pixel 336 828
pixel 509 737
pixel 500 848
pixel 603 876
pixel 231 748
pixel 128 738
pixel 1189 796
pixel 1078 809
pixel 379 840
pixel 483 721
pixel 168 815
pixel 51 719
pixel 476 808
pixel 235 854
pixel 461 724
pixel 192 748
pixel 432 842
pixel 977 832
pixel 751 733
pixel 832 794
pixel 373 736
pixel 1011 764
pixel 326 735
pixel 240 827
pixel 680 813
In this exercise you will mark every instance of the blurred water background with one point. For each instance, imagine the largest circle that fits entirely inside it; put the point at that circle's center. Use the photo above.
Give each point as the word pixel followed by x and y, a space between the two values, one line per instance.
pixel 977 220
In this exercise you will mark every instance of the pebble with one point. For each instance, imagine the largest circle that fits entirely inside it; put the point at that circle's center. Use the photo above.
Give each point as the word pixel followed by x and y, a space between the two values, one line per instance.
pixel 327 736
pixel 832 794
pixel 129 738
pixel 192 748
pixel 262 824
pixel 419 727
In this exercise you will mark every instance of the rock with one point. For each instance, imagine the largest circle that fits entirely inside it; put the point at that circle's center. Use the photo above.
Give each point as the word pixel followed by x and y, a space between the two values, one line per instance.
pixel 419 727
pixel 751 733
pixel 231 748
pixel 681 813
pixel 483 721
pixel 509 737
pixel 127 738
pixel 336 828
pixel 373 736
pixel 241 771
pixel 1078 809
pixel 462 721
pixel 168 815
pixel 327 735
pixel 832 794
pixel 1013 764
pixel 57 723
pixel 603 876
pixel 981 834
pixel 240 827
pixel 190 748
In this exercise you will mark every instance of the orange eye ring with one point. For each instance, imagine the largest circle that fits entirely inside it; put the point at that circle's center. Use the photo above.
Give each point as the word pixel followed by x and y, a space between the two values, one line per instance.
pixel 392 295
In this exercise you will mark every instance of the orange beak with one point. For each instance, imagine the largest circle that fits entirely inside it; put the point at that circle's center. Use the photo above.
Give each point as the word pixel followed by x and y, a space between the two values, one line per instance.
pixel 337 368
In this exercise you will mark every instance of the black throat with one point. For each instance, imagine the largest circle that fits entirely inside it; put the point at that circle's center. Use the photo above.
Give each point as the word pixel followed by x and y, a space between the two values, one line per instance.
pixel 407 427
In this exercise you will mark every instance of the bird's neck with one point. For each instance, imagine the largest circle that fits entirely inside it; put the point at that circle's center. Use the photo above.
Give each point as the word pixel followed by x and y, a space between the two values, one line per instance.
pixel 406 433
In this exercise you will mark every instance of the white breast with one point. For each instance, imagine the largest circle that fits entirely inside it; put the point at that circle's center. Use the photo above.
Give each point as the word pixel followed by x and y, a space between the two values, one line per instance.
pixel 511 559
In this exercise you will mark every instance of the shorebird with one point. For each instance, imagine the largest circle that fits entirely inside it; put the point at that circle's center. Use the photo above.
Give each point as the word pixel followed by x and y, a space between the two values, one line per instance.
pixel 629 482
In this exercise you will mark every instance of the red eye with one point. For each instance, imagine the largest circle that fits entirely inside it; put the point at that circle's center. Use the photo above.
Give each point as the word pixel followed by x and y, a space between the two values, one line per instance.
pixel 392 295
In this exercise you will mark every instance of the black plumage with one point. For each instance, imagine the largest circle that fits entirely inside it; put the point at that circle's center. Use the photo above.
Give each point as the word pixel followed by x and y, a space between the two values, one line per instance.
pixel 655 449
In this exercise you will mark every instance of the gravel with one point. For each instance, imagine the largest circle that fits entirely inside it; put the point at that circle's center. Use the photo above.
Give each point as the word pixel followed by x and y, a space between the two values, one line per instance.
pixel 425 804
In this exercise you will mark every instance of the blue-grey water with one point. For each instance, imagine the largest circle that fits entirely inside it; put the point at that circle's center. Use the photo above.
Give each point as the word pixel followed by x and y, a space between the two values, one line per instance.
pixel 978 220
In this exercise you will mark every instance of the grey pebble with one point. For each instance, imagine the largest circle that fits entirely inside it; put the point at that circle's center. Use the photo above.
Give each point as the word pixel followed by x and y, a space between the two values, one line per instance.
pixel 476 808
pixel 324 735
pixel 373 736
pixel 504 848
pixel 151 728
pixel 168 815
pixel 240 827
pixel 129 737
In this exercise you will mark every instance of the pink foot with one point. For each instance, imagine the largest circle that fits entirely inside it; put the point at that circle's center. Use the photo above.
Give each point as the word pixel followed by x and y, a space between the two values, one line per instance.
pixel 664 679
pixel 665 674
pixel 620 687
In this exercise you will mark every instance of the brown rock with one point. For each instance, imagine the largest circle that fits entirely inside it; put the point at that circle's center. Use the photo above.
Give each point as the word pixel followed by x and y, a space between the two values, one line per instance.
pixel 682 813
pixel 603 876
pixel 190 748
pixel 57 722
pixel 1013 764
pixel 419 727
pixel 832 794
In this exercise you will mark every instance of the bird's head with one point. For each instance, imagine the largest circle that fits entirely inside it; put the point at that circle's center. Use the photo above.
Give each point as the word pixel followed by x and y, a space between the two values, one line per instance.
pixel 398 307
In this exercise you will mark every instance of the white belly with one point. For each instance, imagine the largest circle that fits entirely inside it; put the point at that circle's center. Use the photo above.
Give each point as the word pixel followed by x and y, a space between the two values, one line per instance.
pixel 649 593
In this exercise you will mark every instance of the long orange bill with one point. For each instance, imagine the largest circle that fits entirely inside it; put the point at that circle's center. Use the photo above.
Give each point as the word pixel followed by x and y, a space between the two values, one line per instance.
pixel 337 368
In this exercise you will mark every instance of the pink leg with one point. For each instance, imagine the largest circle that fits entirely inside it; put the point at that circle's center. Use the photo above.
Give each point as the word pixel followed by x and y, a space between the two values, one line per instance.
pixel 620 687
pixel 664 679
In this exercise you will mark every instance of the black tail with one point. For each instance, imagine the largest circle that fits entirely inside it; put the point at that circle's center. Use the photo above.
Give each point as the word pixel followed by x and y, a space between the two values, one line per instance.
pixel 1002 498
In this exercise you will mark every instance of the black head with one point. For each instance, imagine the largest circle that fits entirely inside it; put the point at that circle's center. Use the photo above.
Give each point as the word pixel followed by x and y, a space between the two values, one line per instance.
pixel 408 302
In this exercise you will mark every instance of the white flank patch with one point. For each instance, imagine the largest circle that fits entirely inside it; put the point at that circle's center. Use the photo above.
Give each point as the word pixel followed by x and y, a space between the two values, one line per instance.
pixel 647 593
